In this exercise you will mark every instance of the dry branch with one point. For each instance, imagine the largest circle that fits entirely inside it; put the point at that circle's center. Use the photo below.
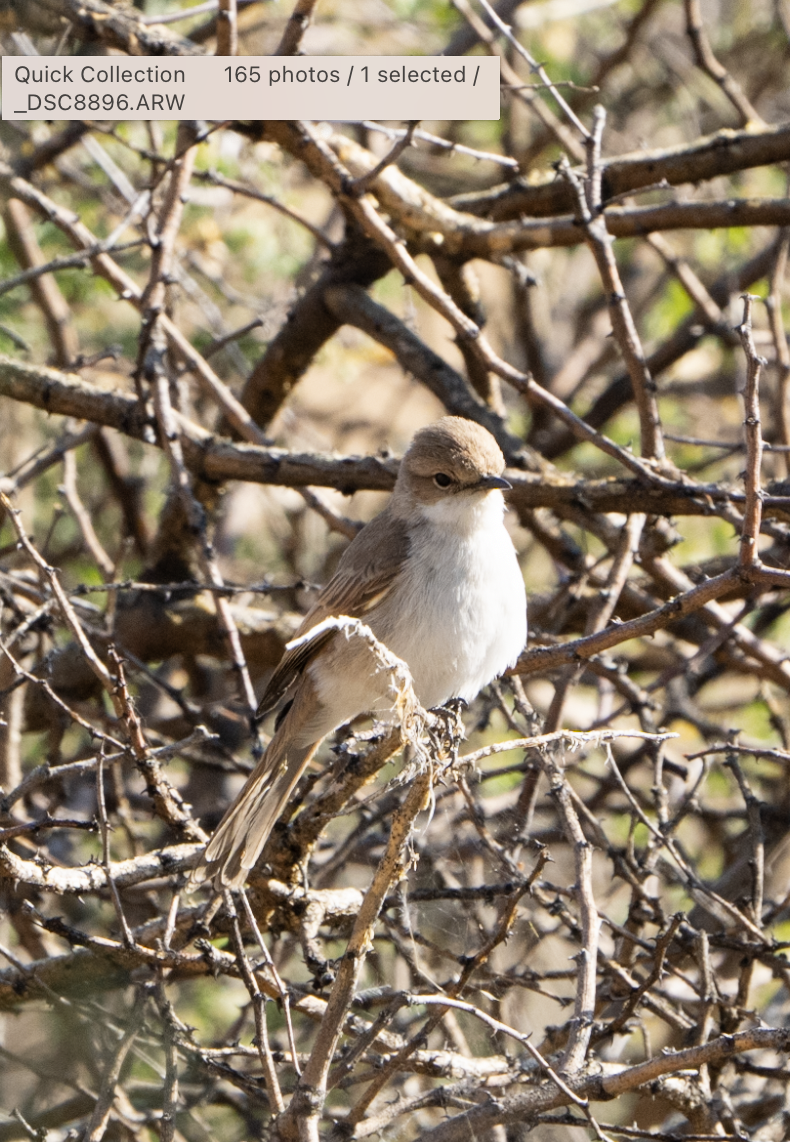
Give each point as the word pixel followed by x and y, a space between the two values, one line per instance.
pixel 710 157
pixel 518 1108
pixel 98 23
pixel 218 459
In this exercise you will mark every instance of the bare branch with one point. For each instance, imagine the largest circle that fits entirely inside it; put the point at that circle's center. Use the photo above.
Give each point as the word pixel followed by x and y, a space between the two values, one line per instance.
pixel 298 23
pixel 708 62
pixel 227 28
pixel 753 434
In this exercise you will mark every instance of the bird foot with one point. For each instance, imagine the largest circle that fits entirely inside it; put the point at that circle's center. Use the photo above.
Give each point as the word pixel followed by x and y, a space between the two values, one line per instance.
pixel 447 730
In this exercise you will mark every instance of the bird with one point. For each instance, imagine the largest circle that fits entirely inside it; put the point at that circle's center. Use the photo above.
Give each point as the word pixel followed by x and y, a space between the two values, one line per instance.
pixel 436 578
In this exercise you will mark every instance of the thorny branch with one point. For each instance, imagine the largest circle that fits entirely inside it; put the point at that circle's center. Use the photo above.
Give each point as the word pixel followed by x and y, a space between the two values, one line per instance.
pixel 752 427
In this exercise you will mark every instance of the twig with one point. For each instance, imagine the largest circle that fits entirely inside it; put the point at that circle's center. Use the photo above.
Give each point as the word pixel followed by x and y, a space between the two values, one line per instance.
pixel 227 28
pixel 584 1004
pixel 167 1130
pixel 362 184
pixel 773 304
pixel 443 144
pixel 283 993
pixel 44 458
pixel 460 283
pixel 707 988
pixel 627 550
pixel 97 1125
pixel 673 578
pixel 471 964
pixel 622 55
pixel 554 126
pixel 756 836
pixel 469 331
pixel 39 777
pixel 16 340
pixel 20 673
pixel 84 522
pixel 697 442
pixel 709 64
pixel 752 514
pixel 219 343
pixel 690 282
pixel 499 1028
pixel 533 1102
pixel 711 156
pixel 466 37
pixel 220 459
pixel 334 521
pixel 763 753
pixel 594 224
pixel 92 878
pixel 252 192
pixel 164 235
pixel 298 23
pixel 67 611
pixel 43 825
pixel 194 513
pixel 662 944
pixel 537 68
pixel 104 829
pixel 543 658
pixel 573 739
pixel 632 801
pixel 44 287
pixel 354 306
pixel 258 999
pixel 614 199
pixel 66 262
pixel 308 1098
pixel 603 608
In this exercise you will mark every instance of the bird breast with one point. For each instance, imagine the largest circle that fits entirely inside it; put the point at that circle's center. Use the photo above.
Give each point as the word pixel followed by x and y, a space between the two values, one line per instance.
pixel 457 615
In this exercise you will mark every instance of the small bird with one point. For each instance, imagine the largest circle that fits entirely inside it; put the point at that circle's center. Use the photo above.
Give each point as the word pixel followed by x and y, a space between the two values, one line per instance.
pixel 435 577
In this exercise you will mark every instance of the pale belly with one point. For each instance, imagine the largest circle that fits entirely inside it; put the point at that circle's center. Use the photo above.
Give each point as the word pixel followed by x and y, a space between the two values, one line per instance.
pixel 458 625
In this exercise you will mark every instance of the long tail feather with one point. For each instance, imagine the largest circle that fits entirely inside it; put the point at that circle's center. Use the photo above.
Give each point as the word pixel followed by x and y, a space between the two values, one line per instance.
pixel 245 828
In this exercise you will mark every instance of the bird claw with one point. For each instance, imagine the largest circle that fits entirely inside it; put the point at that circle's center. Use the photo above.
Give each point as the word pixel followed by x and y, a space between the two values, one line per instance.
pixel 447 730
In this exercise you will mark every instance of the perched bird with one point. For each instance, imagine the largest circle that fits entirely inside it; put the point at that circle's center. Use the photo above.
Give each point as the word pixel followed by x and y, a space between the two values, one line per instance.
pixel 436 579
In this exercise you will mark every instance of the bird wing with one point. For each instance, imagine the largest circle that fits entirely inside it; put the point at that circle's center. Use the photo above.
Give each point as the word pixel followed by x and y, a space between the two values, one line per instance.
pixel 365 574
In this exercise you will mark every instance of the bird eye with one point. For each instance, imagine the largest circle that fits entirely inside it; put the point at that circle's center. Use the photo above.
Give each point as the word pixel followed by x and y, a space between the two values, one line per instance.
pixel 442 480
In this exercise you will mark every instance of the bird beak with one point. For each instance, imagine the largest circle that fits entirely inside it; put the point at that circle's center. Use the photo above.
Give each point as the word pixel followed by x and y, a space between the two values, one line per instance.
pixel 489 482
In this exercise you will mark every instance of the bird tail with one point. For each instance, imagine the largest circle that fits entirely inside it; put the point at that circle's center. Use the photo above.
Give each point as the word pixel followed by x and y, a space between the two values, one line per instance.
pixel 245 828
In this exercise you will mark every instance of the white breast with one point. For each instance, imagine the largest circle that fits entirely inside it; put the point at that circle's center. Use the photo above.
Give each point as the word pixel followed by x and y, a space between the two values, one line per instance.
pixel 458 616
